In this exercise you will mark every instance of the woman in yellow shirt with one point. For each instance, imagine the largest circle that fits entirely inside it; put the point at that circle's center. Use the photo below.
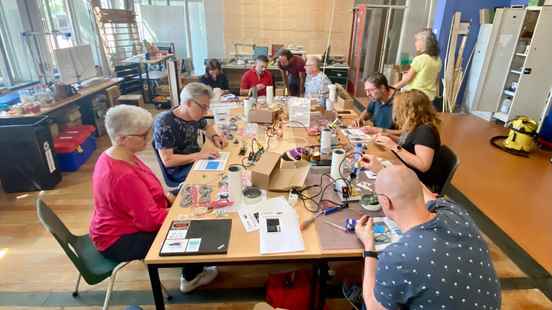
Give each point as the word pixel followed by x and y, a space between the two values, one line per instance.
pixel 425 67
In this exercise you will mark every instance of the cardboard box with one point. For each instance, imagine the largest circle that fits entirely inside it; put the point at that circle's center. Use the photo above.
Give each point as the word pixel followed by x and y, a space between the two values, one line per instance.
pixel 132 99
pixel 113 94
pixel 262 116
pixel 163 90
pixel 273 173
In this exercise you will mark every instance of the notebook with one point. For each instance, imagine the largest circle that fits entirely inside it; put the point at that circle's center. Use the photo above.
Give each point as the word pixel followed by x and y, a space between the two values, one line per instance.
pixel 197 237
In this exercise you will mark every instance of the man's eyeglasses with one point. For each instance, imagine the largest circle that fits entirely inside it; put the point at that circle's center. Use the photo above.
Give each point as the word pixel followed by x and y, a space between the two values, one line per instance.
pixel 202 107
pixel 387 197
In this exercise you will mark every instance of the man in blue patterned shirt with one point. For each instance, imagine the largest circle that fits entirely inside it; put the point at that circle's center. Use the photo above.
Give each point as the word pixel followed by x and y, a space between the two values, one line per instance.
pixel 441 260
pixel 175 132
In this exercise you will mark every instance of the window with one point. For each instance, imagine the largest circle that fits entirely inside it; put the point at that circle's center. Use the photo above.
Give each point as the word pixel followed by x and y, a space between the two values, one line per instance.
pixel 15 64
pixel 198 30
pixel 72 23
pixel 85 28
pixel 59 22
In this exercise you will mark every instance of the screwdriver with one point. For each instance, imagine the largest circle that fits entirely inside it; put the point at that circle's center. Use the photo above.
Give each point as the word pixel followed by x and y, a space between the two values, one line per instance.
pixel 326 211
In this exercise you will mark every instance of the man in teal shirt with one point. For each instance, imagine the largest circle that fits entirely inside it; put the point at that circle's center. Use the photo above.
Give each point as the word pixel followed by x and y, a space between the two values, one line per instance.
pixel 379 112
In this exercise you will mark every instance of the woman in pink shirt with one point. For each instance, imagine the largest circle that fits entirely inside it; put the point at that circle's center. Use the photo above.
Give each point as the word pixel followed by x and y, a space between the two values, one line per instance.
pixel 129 202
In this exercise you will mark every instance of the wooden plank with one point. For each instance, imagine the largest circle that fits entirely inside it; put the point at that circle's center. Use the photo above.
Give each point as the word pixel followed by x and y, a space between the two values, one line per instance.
pixel 450 59
pixel 458 74
pixel 463 29
pixel 484 16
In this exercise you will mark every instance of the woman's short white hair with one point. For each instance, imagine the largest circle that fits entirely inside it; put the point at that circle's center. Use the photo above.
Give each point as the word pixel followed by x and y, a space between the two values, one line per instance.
pixel 193 91
pixel 124 120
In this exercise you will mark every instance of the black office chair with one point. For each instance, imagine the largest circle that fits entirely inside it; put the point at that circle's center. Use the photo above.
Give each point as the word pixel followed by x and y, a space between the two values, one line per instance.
pixel 168 180
pixel 448 163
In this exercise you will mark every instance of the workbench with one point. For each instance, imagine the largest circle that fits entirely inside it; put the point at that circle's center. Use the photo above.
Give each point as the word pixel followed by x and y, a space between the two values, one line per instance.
pixel 337 73
pixel 58 104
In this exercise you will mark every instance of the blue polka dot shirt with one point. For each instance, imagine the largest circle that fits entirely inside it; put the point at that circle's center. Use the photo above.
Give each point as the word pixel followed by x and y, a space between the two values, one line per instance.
pixel 441 264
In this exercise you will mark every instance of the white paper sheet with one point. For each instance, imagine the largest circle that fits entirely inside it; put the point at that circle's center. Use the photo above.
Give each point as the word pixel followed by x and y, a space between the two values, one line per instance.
pixel 356 135
pixel 279 228
pixel 216 164
pixel 249 216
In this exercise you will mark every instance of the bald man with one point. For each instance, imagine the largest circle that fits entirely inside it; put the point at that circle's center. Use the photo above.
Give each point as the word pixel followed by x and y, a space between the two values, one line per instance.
pixel 440 262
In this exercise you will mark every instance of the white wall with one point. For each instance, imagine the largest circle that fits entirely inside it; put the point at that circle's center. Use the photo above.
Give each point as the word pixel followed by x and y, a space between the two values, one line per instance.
pixel 214 19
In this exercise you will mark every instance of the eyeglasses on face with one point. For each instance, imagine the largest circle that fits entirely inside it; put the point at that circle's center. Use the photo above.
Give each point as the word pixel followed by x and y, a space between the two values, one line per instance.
pixel 201 106
pixel 143 135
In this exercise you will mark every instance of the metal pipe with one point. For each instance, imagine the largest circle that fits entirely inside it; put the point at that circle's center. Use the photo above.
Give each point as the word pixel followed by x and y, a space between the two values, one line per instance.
pixel 385 40
pixel 189 33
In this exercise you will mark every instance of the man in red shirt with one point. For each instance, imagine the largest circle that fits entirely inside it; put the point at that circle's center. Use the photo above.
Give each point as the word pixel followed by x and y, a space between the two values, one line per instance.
pixel 293 72
pixel 257 76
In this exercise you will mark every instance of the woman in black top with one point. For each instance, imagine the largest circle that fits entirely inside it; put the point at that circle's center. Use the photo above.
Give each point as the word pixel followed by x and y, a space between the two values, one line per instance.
pixel 214 76
pixel 419 144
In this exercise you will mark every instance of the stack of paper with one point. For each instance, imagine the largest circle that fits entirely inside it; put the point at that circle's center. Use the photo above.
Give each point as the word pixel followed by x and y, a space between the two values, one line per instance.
pixel 356 135
pixel 299 112
pixel 278 225
pixel 279 228
pixel 216 164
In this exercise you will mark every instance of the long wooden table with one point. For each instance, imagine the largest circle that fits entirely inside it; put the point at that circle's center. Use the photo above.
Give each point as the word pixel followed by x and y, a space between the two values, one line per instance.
pixel 244 247
pixel 511 191
pixel 82 93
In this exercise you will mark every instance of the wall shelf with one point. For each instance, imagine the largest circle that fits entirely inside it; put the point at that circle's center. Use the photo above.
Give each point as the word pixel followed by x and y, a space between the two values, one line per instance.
pixel 509 93
pixel 501 116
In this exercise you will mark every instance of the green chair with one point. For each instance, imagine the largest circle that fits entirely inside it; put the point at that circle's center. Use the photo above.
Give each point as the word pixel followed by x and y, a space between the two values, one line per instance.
pixel 90 263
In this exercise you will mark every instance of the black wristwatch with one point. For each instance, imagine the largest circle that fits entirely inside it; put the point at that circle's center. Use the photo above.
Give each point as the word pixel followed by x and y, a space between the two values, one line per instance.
pixel 399 148
pixel 373 254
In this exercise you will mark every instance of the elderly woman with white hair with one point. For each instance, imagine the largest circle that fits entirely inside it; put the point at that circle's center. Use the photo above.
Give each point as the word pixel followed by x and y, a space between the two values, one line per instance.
pixel 129 202
pixel 425 67
pixel 175 132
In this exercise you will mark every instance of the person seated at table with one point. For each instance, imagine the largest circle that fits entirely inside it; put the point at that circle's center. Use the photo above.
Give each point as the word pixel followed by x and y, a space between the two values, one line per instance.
pixel 257 77
pixel 419 144
pixel 214 76
pixel 292 68
pixel 129 202
pixel 440 262
pixel 175 132
pixel 378 115
pixel 317 82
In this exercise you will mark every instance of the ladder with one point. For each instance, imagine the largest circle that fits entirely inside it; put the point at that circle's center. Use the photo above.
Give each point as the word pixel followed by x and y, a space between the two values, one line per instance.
pixel 119 34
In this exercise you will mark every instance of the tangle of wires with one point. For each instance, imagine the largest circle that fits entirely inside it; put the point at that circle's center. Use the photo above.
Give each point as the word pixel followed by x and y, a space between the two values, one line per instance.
pixel 321 201
pixel 317 205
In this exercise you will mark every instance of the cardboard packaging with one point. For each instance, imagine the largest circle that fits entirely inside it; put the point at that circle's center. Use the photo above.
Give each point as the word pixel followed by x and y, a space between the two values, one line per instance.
pixel 132 99
pixel 262 116
pixel 113 94
pixel 273 173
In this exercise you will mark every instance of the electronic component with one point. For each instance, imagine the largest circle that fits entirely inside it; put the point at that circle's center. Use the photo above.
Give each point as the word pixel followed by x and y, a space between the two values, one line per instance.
pixel 243 150
pixel 252 194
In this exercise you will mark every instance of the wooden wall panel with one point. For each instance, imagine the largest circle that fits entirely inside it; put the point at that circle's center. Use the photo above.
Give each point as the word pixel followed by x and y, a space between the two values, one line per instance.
pixel 304 22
